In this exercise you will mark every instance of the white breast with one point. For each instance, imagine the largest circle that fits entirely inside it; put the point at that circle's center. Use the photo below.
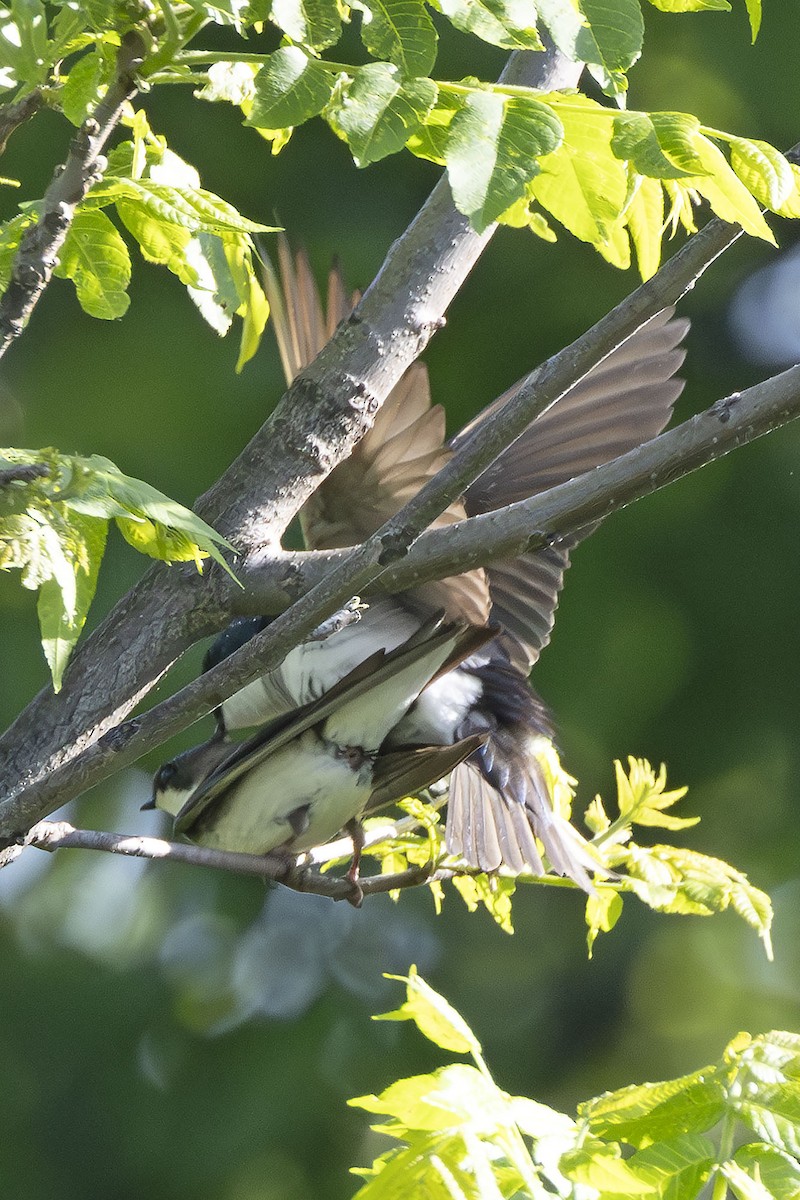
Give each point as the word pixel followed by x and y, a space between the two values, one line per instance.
pixel 439 711
pixel 254 816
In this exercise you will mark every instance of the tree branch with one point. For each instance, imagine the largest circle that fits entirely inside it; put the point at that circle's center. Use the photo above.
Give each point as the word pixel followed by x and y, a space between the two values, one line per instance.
pixel 315 426
pixel 37 255
pixel 16 114
pixel 300 877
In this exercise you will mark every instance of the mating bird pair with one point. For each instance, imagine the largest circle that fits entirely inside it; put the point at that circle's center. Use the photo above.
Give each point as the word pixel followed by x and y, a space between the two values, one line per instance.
pixel 434 681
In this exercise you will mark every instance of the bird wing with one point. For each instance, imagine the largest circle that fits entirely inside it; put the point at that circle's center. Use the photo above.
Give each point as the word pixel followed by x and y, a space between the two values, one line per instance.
pixel 403 450
pixel 436 648
pixel 623 401
pixel 408 771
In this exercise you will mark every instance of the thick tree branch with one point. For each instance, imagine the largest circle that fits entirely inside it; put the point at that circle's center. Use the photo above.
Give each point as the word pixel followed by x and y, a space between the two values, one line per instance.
pixel 315 426
pixel 37 255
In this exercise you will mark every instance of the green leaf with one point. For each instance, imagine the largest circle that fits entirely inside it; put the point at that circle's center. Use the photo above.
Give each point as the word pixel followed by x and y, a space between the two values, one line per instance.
pixel 494 894
pixel 773 1113
pixel 636 139
pixel 744 1185
pixel 96 259
pixel 596 32
pixel 777 1171
pixel 82 89
pixel 401 32
pixel 645 219
pixel 430 140
pixel 754 16
pixel 678 1168
pixel 583 184
pixel 314 23
pixel 452 1096
pixel 148 519
pixel 677 135
pixel 726 194
pixel 23 43
pixel 64 599
pixel 603 910
pixel 600 1166
pixel 791 206
pixel 650 1112
pixel 763 170
pixel 434 1017
pixel 492 152
pixel 676 6
pixel 10 237
pixel 642 799
pixel 160 241
pixel 379 111
pixel 190 207
pixel 507 23
pixel 289 89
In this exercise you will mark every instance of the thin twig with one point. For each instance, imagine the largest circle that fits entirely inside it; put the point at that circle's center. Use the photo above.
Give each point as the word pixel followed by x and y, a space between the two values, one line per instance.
pixel 16 114
pixel 60 835
pixel 23 474
pixel 37 255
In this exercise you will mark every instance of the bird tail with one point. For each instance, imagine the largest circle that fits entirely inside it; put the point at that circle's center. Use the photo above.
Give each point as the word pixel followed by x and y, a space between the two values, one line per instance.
pixel 501 816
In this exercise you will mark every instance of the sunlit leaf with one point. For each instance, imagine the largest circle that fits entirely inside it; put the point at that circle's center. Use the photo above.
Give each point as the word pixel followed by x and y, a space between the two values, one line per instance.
pixel 96 259
pixel 650 1112
pixel 507 23
pixel 401 32
pixel 289 89
pixel 434 1017
pixel 379 111
pixel 63 601
pixel 763 170
pixel 315 23
pixel 492 152
pixel 595 32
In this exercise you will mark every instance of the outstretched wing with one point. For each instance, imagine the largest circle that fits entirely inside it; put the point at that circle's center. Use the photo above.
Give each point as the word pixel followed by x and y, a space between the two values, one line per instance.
pixel 622 402
pixel 403 450
pixel 625 400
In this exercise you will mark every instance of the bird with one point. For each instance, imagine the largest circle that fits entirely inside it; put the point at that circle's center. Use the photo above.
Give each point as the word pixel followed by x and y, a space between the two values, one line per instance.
pixel 309 773
pixel 500 811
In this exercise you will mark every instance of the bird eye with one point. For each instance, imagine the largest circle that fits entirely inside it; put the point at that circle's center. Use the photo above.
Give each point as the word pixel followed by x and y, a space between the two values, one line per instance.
pixel 165 775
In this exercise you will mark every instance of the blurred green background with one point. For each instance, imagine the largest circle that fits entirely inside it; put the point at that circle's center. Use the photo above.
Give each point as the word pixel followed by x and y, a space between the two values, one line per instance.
pixel 173 1033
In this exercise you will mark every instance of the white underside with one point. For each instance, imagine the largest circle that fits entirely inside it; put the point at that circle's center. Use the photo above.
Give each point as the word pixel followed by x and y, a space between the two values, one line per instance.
pixel 439 711
pixel 314 667
pixel 254 815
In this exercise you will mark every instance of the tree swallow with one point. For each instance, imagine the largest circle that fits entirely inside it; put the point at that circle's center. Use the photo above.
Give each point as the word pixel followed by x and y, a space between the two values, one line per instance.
pixel 311 772
pixel 500 811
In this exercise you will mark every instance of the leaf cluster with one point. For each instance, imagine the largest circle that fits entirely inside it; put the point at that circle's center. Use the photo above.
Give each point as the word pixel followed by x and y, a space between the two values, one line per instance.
pixel 612 178
pixel 733 1125
pixel 53 530
pixel 670 879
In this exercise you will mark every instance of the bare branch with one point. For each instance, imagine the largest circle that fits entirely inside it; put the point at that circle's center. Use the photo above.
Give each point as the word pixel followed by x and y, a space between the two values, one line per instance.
pixel 38 251
pixel 60 835
pixel 16 114
pixel 23 474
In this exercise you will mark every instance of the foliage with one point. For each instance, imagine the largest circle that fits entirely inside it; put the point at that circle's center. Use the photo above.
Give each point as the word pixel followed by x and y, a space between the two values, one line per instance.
pixel 612 178
pixel 53 530
pixel 669 879
pixel 462 1137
